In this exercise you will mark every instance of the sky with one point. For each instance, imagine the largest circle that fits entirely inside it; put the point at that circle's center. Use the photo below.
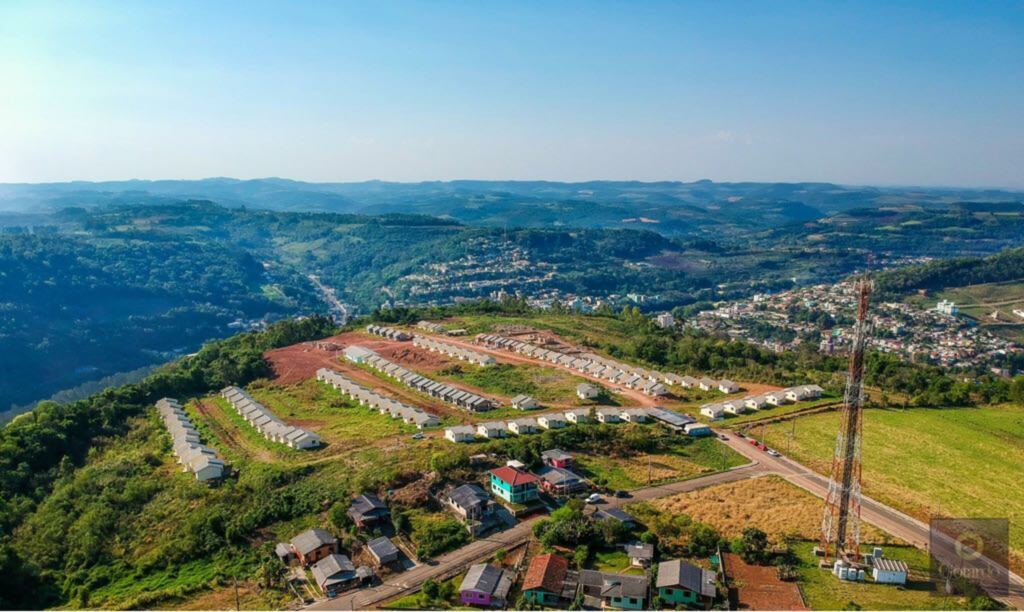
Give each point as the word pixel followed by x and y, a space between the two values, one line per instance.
pixel 882 93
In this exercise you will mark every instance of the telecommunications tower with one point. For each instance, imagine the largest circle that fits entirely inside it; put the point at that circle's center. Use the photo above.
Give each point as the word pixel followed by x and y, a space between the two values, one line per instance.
pixel 840 524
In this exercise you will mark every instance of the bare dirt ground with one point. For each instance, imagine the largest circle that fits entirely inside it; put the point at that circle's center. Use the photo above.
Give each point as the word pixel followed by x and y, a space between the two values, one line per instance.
pixel 300 362
pixel 755 587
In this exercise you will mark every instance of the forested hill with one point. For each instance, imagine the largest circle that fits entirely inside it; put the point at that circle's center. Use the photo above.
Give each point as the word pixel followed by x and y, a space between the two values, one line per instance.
pixel 91 292
pixel 107 287
pixel 1005 266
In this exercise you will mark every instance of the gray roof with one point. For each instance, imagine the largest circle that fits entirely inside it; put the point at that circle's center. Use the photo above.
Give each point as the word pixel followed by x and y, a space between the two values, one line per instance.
pixel 640 550
pixel 555 454
pixel 469 496
pixel 613 585
pixel 312 539
pixel 365 504
pixel 382 547
pixel 678 573
pixel 613 513
pixel 333 568
pixel 486 578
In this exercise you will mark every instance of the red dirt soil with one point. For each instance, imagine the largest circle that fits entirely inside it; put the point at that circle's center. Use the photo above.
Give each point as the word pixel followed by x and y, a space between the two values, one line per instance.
pixel 756 587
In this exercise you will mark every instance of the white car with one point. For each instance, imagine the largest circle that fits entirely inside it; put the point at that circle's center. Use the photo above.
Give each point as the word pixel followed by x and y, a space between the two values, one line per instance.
pixel 593 498
pixel 773 452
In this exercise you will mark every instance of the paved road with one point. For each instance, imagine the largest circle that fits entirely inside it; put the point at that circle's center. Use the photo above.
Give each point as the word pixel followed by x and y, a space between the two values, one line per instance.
pixel 478 550
pixel 878 514
pixel 884 517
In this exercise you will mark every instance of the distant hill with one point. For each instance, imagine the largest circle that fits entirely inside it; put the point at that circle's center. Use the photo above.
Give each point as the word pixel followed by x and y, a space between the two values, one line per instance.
pixel 670 208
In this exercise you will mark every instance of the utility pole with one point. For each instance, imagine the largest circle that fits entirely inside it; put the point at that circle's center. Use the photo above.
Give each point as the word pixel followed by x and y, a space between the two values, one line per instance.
pixel 238 604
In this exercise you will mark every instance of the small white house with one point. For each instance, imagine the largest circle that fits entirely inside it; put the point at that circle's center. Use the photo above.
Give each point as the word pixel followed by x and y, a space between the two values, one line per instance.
pixel 776 398
pixel 608 415
pixel 525 402
pixel 577 416
pixel 459 433
pixel 522 427
pixel 552 421
pixel 754 402
pixel 688 382
pixel 727 386
pixel 734 407
pixel 493 429
pixel 634 415
pixel 706 384
pixel 712 411
pixel 586 391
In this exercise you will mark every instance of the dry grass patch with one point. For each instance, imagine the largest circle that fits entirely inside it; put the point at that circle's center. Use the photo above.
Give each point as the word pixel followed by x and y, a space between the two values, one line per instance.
pixel 769 503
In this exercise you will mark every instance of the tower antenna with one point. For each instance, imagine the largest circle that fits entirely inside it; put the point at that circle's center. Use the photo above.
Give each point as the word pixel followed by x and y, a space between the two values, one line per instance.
pixel 840 524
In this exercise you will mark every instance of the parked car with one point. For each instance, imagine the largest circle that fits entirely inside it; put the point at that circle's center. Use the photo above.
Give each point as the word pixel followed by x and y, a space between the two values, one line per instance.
pixel 418 435
pixel 621 493
pixel 773 452
pixel 723 437
pixel 593 498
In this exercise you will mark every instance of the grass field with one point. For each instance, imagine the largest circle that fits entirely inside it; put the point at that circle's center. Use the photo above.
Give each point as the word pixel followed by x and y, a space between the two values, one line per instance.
pixel 788 513
pixel 930 462
pixel 823 591
pixel 769 503
pixel 543 383
pixel 615 561
pixel 748 418
pixel 699 456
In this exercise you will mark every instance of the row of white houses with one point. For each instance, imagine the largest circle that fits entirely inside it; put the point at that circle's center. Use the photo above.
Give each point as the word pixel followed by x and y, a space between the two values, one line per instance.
pixel 451 350
pixel 267 423
pixel 650 382
pixel 386 405
pixel 388 332
pixel 463 399
pixel 557 420
pixel 192 454
pixel 789 395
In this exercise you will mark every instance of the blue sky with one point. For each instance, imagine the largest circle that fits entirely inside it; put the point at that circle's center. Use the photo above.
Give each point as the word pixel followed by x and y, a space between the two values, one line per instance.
pixel 928 93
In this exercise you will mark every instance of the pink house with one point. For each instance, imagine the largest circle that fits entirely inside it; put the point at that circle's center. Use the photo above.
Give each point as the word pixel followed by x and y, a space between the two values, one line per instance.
pixel 558 458
pixel 485 586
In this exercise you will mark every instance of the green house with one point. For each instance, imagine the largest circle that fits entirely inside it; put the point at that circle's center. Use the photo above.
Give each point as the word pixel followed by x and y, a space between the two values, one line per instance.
pixel 608 590
pixel 546 581
pixel 681 583
pixel 514 485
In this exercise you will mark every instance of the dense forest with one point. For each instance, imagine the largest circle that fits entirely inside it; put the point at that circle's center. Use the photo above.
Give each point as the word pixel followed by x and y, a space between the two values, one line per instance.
pixel 72 513
pixel 956 272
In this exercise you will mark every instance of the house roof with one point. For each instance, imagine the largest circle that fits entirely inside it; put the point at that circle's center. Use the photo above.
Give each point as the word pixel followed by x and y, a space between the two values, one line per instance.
pixel 640 550
pixel 382 547
pixel 486 578
pixel 513 477
pixel 469 496
pixel 330 567
pixel 365 504
pixel 678 573
pixel 613 513
pixel 555 454
pixel 312 539
pixel 615 585
pixel 557 476
pixel 547 573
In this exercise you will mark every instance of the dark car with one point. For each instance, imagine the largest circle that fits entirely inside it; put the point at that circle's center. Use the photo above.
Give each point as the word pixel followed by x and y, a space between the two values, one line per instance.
pixel 621 493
